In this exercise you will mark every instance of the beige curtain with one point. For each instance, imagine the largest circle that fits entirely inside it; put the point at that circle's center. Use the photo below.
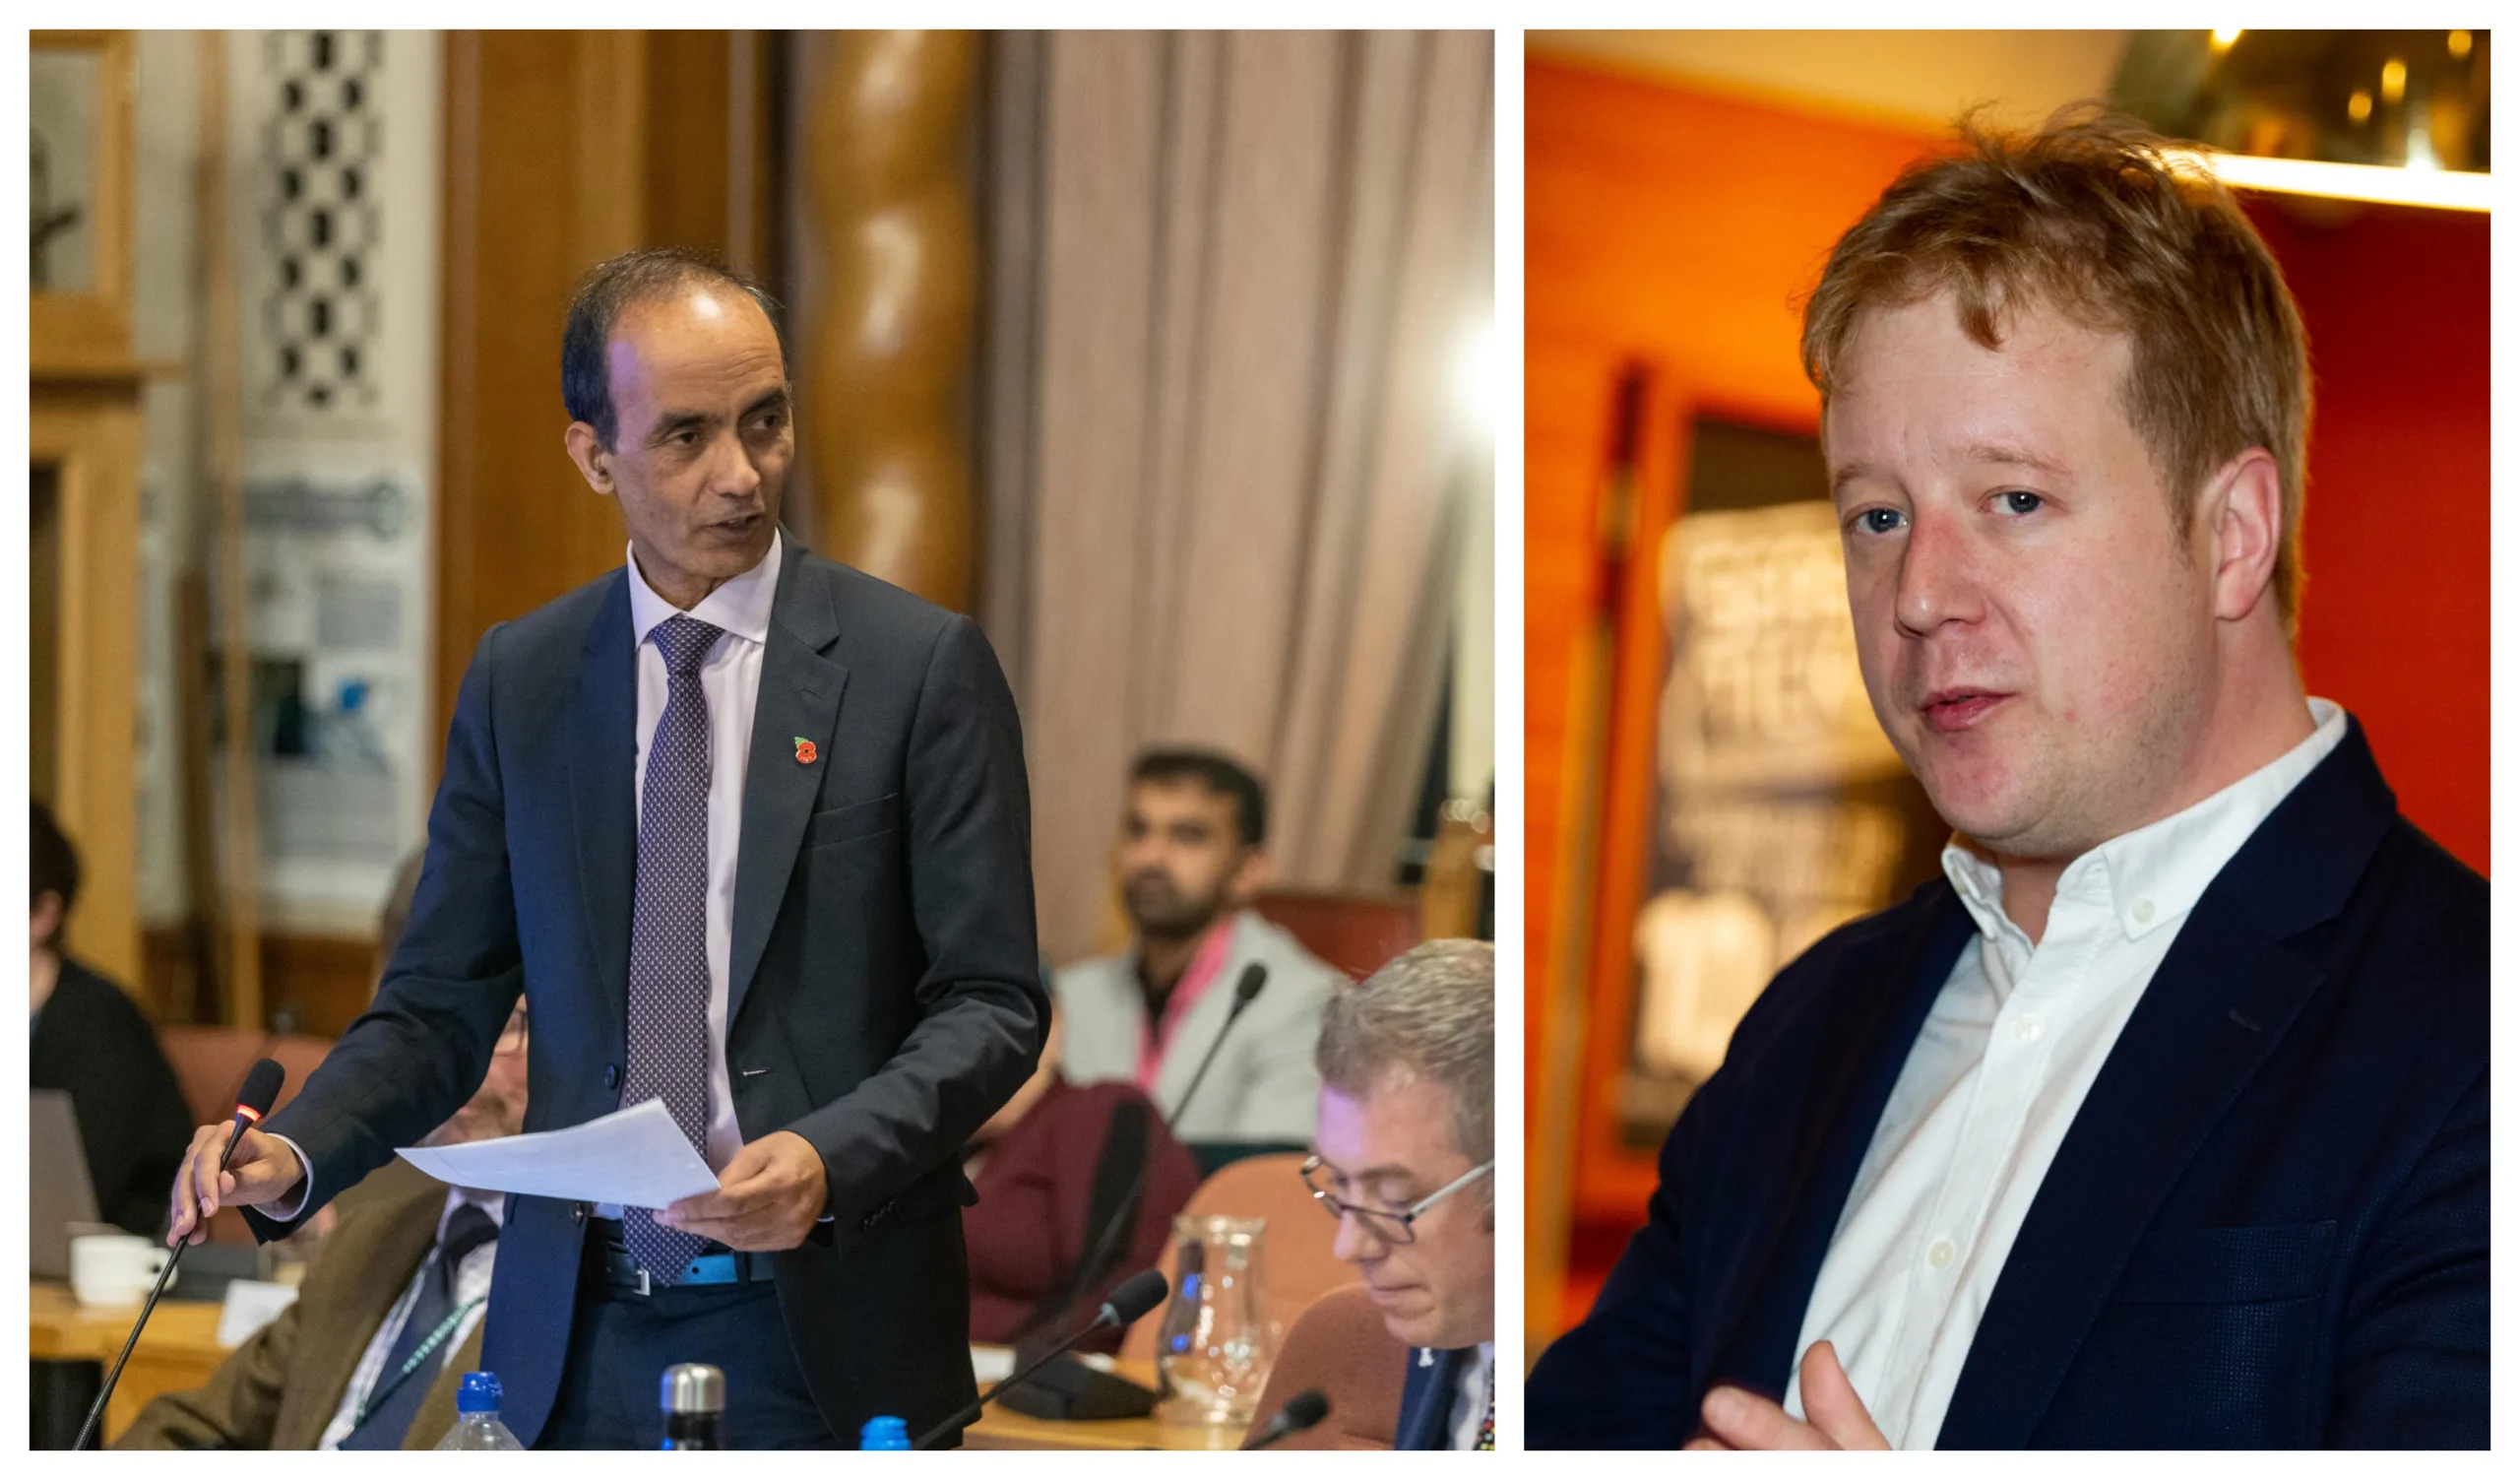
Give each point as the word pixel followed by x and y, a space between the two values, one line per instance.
pixel 1225 449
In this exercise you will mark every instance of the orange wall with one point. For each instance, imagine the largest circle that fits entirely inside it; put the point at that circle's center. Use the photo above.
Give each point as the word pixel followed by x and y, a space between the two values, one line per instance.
pixel 1675 230
pixel 2397 529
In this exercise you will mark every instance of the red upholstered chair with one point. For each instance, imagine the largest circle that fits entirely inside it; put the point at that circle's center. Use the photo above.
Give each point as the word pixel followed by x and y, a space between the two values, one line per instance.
pixel 1355 932
pixel 1296 1264
pixel 1340 1347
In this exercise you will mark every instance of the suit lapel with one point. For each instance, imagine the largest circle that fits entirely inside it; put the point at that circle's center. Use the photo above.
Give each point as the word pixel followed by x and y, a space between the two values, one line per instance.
pixel 2209 1020
pixel 1864 1050
pixel 799 699
pixel 604 739
pixel 384 1246
pixel 437 1410
pixel 1426 1398
pixel 2213 1012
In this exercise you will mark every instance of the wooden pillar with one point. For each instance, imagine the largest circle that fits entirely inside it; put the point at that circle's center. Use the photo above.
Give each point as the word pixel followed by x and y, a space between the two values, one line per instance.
pixel 889 214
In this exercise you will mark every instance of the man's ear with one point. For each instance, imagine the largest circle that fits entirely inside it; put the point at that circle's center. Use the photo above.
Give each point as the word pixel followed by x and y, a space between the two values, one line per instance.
pixel 2244 504
pixel 48 918
pixel 588 453
pixel 1253 875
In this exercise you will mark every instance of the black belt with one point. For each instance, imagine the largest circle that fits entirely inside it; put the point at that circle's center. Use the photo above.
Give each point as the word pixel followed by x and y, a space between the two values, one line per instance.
pixel 611 1263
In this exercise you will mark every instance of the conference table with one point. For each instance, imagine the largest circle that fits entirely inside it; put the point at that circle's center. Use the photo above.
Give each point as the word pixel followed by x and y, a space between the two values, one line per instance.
pixel 180 1349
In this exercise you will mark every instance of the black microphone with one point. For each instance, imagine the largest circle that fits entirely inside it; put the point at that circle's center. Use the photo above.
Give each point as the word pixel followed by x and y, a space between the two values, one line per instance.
pixel 1132 1298
pixel 1303 1411
pixel 1255 977
pixel 253 1102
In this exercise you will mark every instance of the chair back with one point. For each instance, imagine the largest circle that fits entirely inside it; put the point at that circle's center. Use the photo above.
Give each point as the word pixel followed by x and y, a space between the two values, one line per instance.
pixel 1355 933
pixel 1297 1266
pixel 1340 1346
pixel 210 1065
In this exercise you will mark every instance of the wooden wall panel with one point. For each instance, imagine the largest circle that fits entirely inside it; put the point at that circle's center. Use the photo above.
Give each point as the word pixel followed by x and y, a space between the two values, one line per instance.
pixel 562 148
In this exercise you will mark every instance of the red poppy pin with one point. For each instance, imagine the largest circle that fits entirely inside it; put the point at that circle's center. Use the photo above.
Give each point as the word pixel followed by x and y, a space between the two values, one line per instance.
pixel 804 751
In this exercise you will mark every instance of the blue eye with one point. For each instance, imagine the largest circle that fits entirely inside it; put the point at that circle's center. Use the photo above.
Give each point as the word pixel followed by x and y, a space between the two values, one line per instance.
pixel 2016 501
pixel 1878 521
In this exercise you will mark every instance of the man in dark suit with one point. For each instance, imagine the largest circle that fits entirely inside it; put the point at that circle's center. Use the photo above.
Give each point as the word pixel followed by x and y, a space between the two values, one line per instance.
pixel 750 830
pixel 1407 1162
pixel 2161 1120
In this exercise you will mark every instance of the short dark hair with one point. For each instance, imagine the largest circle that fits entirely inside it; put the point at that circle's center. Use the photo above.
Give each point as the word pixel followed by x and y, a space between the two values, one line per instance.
pixel 53 865
pixel 1219 774
pixel 619 283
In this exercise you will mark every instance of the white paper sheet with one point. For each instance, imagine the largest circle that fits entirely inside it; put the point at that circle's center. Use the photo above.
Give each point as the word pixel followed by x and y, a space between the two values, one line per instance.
pixel 635 1157
pixel 249 1305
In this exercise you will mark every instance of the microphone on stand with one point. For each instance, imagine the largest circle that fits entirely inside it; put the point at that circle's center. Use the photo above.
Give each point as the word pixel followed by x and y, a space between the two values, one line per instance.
pixel 1072 1389
pixel 253 1102
pixel 1303 1411
pixel 1255 977
pixel 1132 1298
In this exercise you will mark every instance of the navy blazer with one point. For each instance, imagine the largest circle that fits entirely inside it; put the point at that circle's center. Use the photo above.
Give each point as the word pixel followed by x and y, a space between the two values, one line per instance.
pixel 884 995
pixel 2265 1228
pixel 1428 1397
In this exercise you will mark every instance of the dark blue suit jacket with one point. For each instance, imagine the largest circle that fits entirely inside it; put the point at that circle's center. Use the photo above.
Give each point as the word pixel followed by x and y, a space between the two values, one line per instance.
pixel 2265 1228
pixel 884 997
pixel 1429 1396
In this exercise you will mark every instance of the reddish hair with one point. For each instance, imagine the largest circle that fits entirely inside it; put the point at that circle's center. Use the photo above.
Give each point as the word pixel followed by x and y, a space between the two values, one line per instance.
pixel 2091 216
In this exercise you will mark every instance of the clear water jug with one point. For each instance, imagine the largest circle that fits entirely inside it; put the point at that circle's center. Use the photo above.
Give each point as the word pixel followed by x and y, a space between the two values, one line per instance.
pixel 1215 1346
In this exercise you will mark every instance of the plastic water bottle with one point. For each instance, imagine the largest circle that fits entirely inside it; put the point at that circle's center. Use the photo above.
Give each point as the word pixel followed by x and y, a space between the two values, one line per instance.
pixel 883 1432
pixel 477 1416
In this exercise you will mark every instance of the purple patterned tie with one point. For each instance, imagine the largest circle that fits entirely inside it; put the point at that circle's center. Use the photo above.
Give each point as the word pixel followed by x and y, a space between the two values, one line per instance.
pixel 669 929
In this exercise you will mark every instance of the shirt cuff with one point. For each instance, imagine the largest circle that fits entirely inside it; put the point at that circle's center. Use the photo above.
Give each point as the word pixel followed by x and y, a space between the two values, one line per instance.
pixel 306 1190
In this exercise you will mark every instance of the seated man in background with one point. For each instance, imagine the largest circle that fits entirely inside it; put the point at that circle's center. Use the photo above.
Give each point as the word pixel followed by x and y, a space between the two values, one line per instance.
pixel 92 1041
pixel 1057 1172
pixel 1407 1164
pixel 1189 861
pixel 387 1324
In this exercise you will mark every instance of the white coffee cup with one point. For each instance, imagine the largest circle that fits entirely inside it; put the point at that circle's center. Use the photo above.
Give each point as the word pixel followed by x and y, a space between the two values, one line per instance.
pixel 114 1269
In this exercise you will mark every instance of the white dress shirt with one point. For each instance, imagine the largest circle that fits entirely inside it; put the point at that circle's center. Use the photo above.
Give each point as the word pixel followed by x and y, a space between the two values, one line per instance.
pixel 471 1289
pixel 1994 1082
pixel 1476 1389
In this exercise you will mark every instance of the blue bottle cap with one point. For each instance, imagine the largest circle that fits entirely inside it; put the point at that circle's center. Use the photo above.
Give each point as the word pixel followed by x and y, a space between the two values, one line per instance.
pixel 479 1395
pixel 884 1433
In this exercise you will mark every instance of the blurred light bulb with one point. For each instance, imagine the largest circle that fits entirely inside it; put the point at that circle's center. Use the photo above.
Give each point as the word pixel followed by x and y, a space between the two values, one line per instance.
pixel 2392 80
pixel 1475 378
pixel 2222 39
pixel 2460 41
pixel 2358 106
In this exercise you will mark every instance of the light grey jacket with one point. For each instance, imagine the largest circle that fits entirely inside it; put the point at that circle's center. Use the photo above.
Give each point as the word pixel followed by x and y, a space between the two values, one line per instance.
pixel 1263 1086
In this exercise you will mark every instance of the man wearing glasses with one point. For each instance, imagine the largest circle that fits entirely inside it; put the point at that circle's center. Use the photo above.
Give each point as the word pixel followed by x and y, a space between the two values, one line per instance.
pixel 1406 1142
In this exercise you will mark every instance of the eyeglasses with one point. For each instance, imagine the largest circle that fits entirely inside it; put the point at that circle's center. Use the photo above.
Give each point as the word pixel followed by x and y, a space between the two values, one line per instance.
pixel 1391 1227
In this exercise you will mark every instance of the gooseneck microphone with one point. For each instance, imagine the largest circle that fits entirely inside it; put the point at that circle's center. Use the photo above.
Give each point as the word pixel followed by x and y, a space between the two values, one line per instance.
pixel 1303 1411
pixel 1132 1298
pixel 1255 977
pixel 253 1102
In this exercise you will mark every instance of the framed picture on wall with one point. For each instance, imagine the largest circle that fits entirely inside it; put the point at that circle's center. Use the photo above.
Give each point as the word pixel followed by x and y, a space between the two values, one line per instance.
pixel 79 196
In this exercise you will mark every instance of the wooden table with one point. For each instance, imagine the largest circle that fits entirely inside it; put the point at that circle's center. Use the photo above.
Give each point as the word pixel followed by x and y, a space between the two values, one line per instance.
pixel 1004 1429
pixel 179 1350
